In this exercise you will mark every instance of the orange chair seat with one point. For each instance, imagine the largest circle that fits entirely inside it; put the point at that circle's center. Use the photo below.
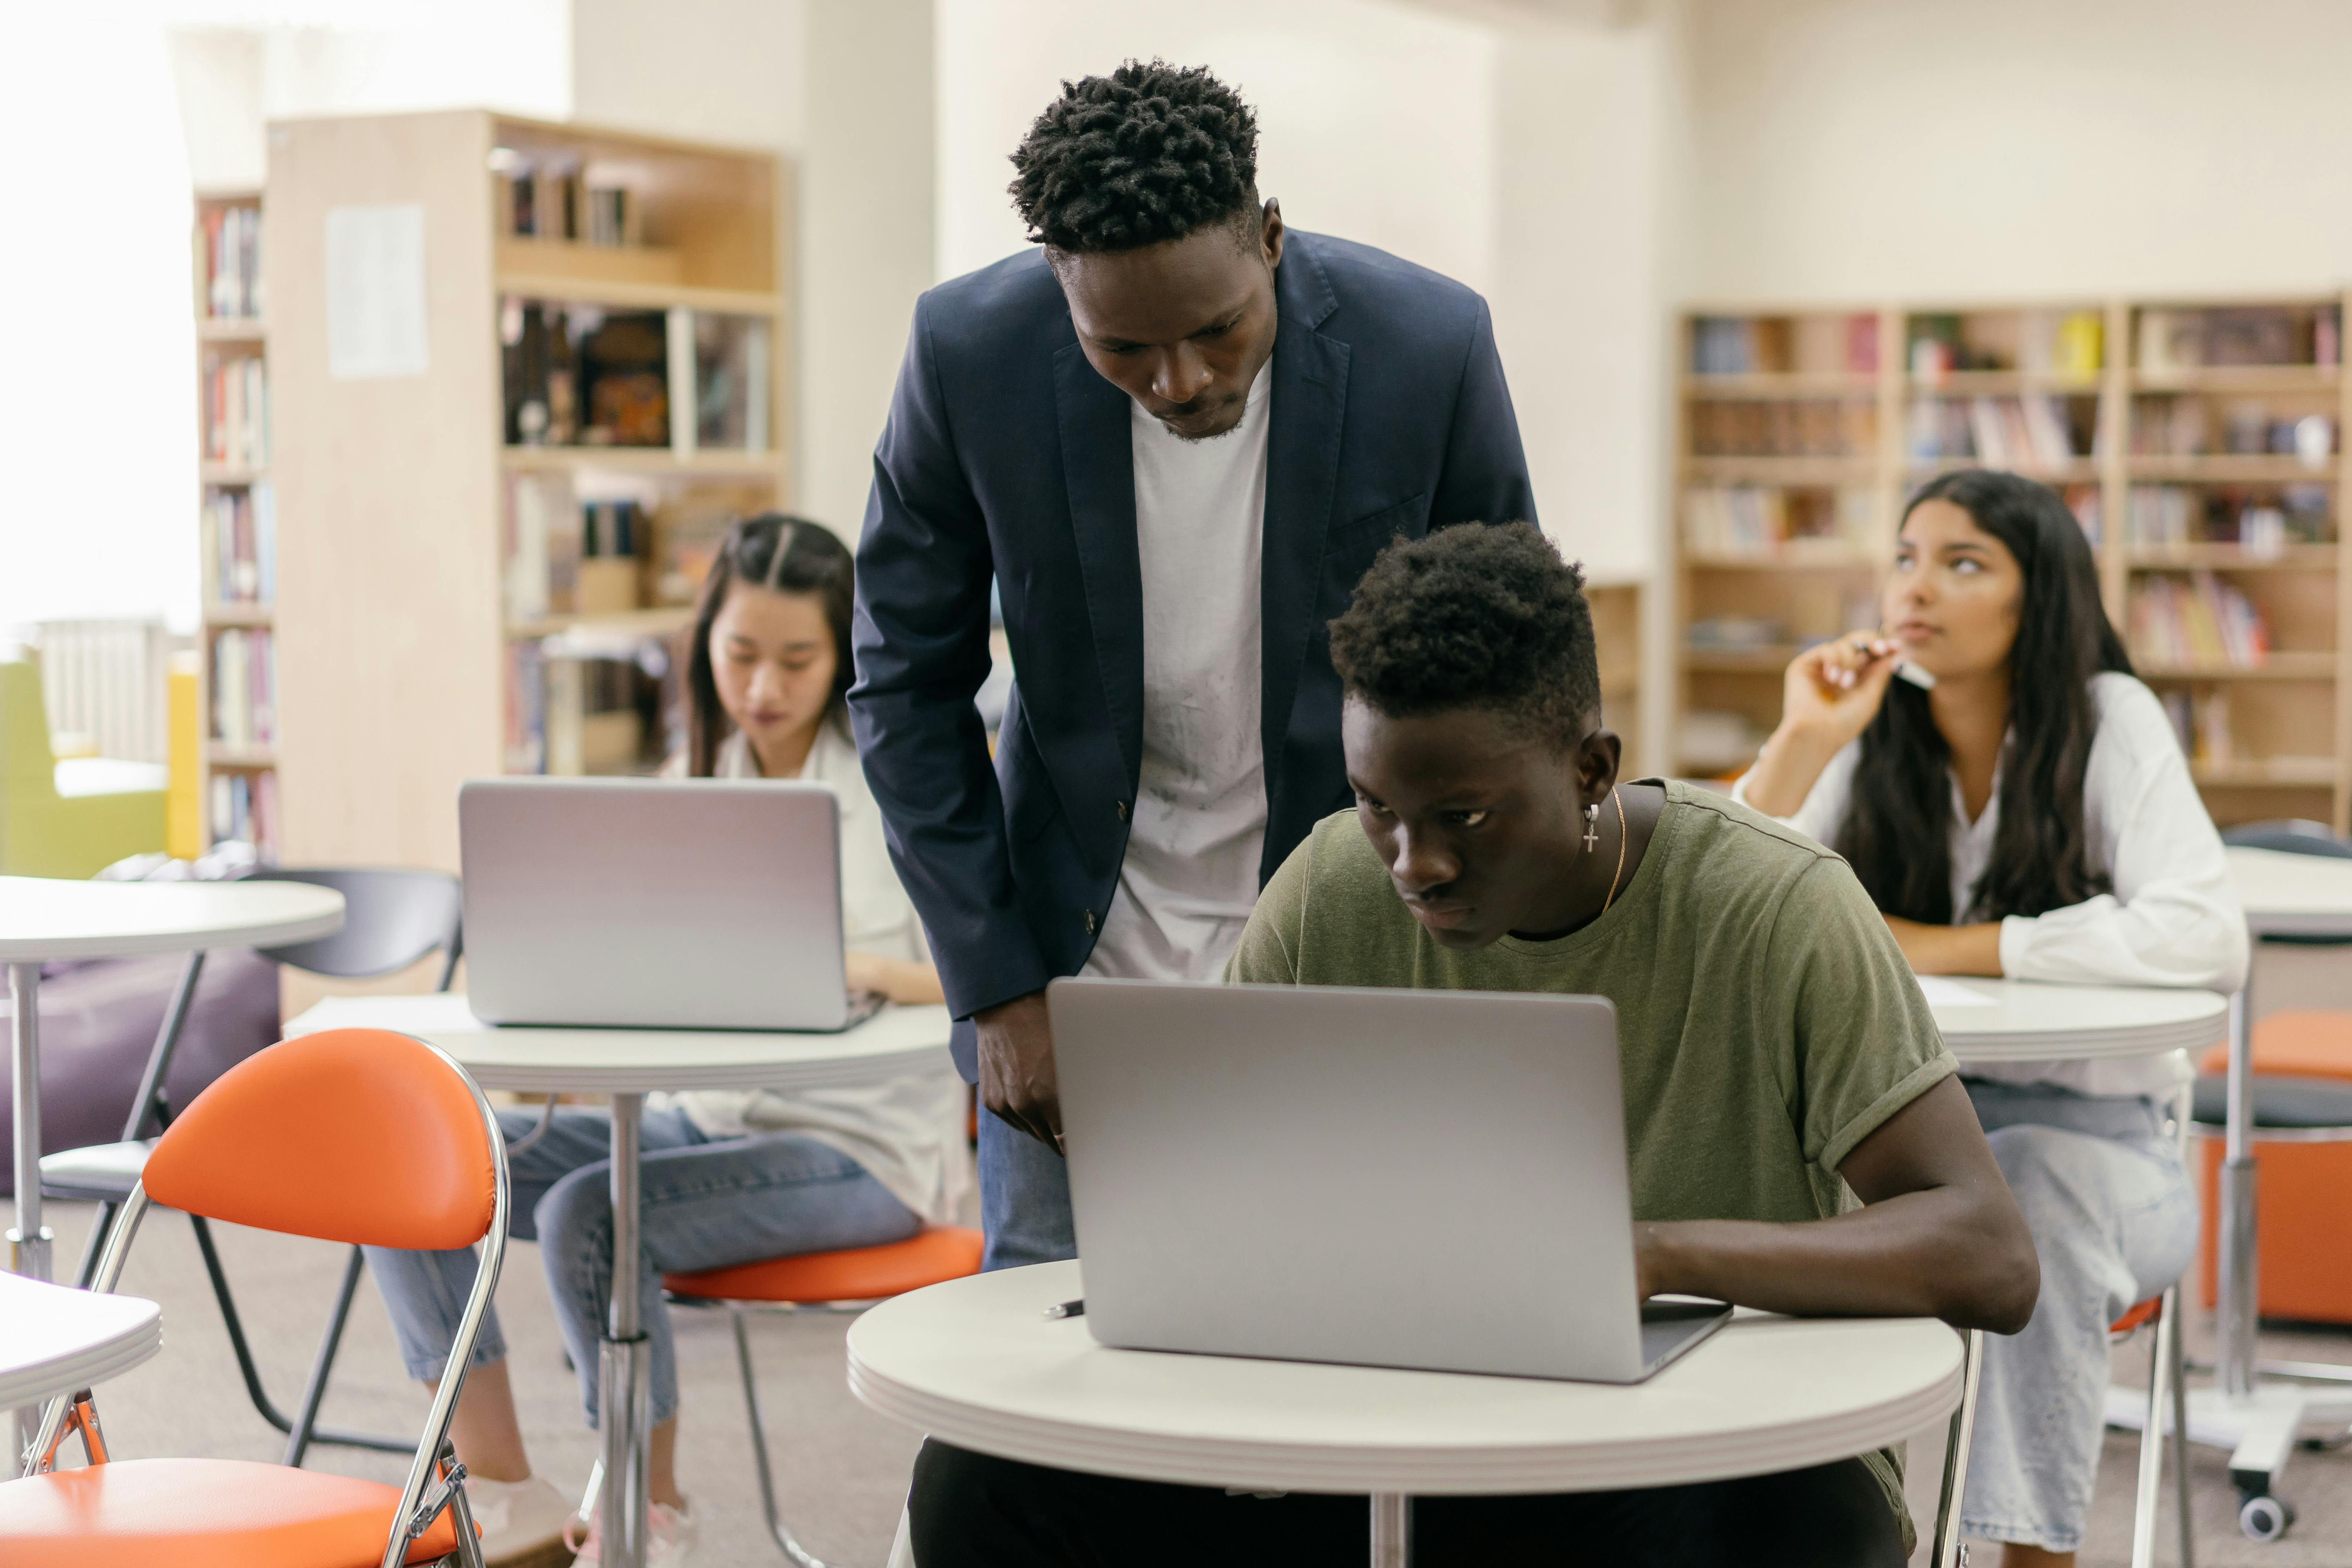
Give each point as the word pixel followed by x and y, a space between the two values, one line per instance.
pixel 852 1274
pixel 2138 1317
pixel 2295 1045
pixel 202 1513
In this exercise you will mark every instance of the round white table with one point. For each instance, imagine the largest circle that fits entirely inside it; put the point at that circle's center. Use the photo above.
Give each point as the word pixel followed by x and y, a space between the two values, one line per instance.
pixel 975 1362
pixel 47 919
pixel 1994 1021
pixel 626 1065
pixel 57 1341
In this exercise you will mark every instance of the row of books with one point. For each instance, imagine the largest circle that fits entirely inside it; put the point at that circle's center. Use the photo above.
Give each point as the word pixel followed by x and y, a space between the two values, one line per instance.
pixel 553 200
pixel 237 410
pixel 570 716
pixel 1763 521
pixel 245 809
pixel 1767 345
pixel 2069 344
pixel 245 687
pixel 2199 621
pixel 2038 430
pixel 2260 522
pixel 2268 334
pixel 580 376
pixel 232 241
pixel 2169 424
pixel 240 544
pixel 1783 428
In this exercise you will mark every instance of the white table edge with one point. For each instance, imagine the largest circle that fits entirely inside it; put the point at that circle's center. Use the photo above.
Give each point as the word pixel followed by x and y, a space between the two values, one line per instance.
pixel 94 1364
pixel 254 934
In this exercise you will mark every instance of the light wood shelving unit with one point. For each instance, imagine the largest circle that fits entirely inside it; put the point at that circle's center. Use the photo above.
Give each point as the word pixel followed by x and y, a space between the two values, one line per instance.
pixel 1617 639
pixel 401 650
pixel 232 329
pixel 2269 740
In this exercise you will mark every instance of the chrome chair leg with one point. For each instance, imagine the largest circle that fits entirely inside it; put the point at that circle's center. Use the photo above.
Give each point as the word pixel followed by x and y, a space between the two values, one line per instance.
pixel 2180 1426
pixel 306 1419
pixel 2160 1360
pixel 794 1553
pixel 1948 1550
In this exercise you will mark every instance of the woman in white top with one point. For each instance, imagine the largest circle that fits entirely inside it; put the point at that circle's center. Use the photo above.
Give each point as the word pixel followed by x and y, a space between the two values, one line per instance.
pixel 729 1176
pixel 2017 804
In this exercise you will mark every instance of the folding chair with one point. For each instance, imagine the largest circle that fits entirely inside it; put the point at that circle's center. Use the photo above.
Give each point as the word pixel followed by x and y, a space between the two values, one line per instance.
pixel 847 1280
pixel 359 1136
pixel 391 920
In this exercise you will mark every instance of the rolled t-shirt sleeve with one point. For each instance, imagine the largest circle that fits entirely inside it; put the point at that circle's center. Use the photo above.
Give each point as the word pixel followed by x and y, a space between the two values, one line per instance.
pixel 1866 1044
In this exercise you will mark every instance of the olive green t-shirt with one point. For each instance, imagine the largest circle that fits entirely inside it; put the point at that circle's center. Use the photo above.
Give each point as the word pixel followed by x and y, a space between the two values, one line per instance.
pixel 1766 1022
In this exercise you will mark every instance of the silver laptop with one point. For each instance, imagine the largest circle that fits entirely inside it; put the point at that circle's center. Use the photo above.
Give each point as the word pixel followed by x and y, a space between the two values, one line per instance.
pixel 1430 1179
pixel 653 903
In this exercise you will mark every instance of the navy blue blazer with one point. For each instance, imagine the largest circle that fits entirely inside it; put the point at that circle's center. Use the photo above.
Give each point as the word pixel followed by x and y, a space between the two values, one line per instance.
pixel 1007 457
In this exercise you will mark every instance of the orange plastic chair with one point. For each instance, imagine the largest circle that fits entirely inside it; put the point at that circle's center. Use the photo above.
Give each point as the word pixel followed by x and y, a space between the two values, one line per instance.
pixel 2302 1149
pixel 853 1278
pixel 358 1136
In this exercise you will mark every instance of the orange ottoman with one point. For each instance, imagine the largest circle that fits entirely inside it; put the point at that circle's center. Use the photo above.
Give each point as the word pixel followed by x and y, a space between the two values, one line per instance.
pixel 2303 1200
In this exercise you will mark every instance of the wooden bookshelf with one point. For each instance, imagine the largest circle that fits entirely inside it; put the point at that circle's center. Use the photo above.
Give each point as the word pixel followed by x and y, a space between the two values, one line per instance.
pixel 420 622
pixel 1802 429
pixel 1617 639
pixel 236 762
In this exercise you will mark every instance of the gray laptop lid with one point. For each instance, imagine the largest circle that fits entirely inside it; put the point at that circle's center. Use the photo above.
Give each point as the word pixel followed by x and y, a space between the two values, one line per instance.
pixel 1404 1178
pixel 653 903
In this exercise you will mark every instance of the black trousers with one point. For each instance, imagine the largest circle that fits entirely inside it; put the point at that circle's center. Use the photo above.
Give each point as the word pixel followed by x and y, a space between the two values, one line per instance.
pixel 970 1510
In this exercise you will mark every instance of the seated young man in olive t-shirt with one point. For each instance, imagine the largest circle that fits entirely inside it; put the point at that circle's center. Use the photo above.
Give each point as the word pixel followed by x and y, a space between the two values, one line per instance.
pixel 1797 1139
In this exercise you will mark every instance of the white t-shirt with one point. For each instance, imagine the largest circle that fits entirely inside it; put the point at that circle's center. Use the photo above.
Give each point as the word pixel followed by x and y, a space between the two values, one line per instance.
pixel 908 1131
pixel 2172 919
pixel 1190 878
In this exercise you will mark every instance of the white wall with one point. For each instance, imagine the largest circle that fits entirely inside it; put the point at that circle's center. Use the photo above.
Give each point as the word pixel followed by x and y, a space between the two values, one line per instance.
pixel 1980 149
pixel 715 70
pixel 1376 119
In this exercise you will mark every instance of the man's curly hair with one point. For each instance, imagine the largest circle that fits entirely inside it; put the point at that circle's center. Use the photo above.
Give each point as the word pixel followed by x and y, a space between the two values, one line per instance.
pixel 1474 617
pixel 1149 152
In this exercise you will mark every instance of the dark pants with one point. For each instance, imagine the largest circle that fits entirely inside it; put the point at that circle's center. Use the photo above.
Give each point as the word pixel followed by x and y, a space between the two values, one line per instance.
pixel 970 1510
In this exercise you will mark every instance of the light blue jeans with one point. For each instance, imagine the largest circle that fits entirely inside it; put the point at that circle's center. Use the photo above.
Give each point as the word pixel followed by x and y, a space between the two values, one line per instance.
pixel 707 1204
pixel 1024 1198
pixel 2115 1221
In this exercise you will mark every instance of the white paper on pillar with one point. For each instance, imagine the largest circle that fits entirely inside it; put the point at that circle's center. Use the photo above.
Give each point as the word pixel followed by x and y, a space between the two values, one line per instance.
pixel 375 292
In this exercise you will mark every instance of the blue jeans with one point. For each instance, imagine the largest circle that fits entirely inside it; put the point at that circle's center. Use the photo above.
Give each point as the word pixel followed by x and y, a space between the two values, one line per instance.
pixel 1024 1198
pixel 707 1203
pixel 2115 1221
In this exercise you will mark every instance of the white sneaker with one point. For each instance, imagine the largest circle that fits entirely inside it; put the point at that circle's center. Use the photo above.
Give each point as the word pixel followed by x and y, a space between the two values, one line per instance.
pixel 669 1538
pixel 517 1519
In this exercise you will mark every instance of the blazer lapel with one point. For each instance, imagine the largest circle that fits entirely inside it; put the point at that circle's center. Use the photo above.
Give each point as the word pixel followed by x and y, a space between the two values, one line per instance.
pixel 1099 471
pixel 1302 473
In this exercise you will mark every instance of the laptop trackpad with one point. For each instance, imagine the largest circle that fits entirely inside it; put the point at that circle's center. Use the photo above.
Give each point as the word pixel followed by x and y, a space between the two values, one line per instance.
pixel 1670 1325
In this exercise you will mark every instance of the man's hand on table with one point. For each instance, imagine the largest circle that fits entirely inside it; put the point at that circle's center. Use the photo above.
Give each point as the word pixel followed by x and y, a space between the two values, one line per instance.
pixel 1016 1067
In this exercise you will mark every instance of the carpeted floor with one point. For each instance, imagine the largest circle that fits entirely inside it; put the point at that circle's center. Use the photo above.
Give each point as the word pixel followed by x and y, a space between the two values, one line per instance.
pixel 842 1470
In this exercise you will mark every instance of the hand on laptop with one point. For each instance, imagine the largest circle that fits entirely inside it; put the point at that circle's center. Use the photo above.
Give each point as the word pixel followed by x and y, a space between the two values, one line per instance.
pixel 1016 1067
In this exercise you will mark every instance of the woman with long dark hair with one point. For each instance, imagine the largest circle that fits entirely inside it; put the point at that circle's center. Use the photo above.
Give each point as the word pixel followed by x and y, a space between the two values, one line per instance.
pixel 730 1176
pixel 2016 803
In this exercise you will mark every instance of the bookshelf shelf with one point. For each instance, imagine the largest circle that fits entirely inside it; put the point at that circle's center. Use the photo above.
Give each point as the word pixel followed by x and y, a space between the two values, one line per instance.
pixel 231 329
pixel 229 473
pixel 235 614
pixel 242 759
pixel 425 552
pixel 629 295
pixel 2228 558
pixel 663 621
pixel 2278 667
pixel 1781 546
pixel 2214 468
pixel 715 462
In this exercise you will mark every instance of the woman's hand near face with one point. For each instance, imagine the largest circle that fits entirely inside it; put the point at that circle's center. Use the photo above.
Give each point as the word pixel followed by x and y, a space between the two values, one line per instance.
pixel 1829 697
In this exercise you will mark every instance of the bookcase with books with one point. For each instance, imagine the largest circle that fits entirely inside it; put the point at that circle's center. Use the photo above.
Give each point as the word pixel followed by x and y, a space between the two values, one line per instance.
pixel 2199 443
pixel 490 543
pixel 236 522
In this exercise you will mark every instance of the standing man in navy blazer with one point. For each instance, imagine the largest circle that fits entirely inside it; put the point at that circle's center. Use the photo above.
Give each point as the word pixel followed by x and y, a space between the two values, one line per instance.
pixel 1174 436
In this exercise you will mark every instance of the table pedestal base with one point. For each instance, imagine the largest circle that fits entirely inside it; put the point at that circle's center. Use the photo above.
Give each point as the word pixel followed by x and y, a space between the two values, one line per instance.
pixel 625 1370
pixel 1392 1529
pixel 2260 1429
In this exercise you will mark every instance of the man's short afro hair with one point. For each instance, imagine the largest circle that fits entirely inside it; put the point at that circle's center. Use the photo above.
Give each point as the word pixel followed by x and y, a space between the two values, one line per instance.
pixel 1473 615
pixel 1149 152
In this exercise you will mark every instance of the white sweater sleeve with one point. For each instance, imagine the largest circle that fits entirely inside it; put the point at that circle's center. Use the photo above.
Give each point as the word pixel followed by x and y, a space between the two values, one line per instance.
pixel 1824 804
pixel 2173 918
